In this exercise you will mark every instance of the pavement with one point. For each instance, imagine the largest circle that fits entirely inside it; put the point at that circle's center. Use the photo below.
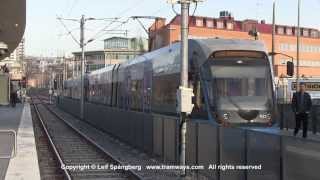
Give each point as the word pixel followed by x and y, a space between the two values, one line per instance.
pixel 24 164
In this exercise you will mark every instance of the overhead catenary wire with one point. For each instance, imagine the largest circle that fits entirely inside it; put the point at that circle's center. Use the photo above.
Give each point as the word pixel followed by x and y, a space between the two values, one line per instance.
pixel 117 19
pixel 97 35
pixel 72 7
pixel 193 13
pixel 107 30
pixel 69 32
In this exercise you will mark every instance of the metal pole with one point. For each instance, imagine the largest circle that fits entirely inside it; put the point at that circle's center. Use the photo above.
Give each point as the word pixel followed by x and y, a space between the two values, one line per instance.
pixel 273 31
pixel 184 77
pixel 82 67
pixel 184 43
pixel 298 46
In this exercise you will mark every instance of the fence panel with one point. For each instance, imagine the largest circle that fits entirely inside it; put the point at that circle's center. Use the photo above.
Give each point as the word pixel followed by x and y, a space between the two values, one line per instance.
pixel 191 148
pixel 208 148
pixel 263 149
pixel 232 152
pixel 170 139
pixel 148 134
pixel 301 159
pixel 157 136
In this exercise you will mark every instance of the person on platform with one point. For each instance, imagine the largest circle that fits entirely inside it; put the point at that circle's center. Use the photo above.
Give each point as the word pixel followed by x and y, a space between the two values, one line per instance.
pixel 13 96
pixel 301 106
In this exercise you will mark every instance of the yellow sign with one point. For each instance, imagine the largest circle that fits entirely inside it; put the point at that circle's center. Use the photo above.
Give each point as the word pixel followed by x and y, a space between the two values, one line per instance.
pixel 310 86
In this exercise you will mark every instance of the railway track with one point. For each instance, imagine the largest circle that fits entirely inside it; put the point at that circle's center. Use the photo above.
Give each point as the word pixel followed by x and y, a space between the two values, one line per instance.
pixel 78 156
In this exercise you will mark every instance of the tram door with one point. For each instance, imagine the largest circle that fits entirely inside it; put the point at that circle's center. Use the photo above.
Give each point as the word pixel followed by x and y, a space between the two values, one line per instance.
pixel 147 87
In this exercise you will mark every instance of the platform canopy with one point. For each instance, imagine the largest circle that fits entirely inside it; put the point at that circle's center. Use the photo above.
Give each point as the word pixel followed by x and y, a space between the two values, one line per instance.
pixel 12 24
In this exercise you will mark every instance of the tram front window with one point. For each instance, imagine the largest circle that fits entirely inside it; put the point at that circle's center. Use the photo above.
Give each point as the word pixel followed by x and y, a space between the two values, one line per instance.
pixel 239 88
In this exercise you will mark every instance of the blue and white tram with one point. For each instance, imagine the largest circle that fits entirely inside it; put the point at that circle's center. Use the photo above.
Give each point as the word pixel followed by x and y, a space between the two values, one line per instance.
pixel 232 82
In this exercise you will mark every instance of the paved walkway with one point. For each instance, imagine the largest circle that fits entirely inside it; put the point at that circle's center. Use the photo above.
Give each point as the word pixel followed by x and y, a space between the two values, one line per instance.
pixel 24 165
pixel 9 120
pixel 289 132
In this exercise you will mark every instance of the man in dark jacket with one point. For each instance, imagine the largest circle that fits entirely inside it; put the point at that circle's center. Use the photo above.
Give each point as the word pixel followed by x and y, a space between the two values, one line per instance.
pixel 301 106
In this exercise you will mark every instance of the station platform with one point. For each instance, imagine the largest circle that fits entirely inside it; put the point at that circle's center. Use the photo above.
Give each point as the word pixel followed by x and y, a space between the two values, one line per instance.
pixel 18 154
pixel 289 132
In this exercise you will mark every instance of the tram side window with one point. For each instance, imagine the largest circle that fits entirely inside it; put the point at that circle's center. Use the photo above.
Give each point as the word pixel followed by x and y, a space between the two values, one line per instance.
pixel 108 92
pixel 120 94
pixel 136 98
pixel 164 93
pixel 105 93
pixel 100 96
pixel 199 111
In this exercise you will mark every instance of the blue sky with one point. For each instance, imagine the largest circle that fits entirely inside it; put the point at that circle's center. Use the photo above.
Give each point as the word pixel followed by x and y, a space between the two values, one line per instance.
pixel 45 36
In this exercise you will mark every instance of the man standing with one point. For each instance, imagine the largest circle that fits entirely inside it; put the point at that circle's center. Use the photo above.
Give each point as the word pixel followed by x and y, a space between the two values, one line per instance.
pixel 301 106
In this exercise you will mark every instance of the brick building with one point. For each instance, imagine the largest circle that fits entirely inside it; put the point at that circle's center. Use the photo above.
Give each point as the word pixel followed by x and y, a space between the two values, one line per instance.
pixel 162 34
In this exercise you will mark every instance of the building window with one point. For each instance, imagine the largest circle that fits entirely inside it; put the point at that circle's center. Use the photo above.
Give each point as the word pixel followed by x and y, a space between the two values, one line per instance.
pixel 220 25
pixel 199 22
pixel 230 25
pixel 210 24
pixel 280 30
pixel 306 32
pixel 314 34
pixel 303 48
pixel 289 31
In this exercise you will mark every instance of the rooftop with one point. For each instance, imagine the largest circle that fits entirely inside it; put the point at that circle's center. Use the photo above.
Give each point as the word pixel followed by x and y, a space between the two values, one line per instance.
pixel 229 23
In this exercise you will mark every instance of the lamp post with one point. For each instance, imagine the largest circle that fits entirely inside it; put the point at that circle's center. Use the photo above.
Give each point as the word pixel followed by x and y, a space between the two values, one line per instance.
pixel 298 46
pixel 273 30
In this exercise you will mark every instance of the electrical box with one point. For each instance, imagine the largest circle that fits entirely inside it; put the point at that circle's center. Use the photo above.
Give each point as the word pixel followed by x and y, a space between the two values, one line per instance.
pixel 184 100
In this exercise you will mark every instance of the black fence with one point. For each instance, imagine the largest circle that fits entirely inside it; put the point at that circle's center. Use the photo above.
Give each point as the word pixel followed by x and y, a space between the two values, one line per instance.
pixel 287 118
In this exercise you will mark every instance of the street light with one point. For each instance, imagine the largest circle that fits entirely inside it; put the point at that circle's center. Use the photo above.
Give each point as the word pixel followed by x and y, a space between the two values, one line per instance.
pixel 298 44
pixel 273 30
pixel 290 64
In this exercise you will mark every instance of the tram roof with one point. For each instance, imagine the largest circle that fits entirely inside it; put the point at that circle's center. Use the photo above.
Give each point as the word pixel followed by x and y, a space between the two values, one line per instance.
pixel 208 46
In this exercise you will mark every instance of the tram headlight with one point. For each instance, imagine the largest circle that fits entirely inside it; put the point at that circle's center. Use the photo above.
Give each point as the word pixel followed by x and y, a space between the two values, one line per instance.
pixel 226 116
pixel 265 115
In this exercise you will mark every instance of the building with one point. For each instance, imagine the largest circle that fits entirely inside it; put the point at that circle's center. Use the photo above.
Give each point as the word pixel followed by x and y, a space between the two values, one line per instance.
pixel 94 60
pixel 15 62
pixel 225 26
pixel 120 49
pixel 116 50
pixel 42 71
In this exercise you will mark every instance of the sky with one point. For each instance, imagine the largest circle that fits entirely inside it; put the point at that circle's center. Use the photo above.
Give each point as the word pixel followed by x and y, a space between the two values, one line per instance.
pixel 46 36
